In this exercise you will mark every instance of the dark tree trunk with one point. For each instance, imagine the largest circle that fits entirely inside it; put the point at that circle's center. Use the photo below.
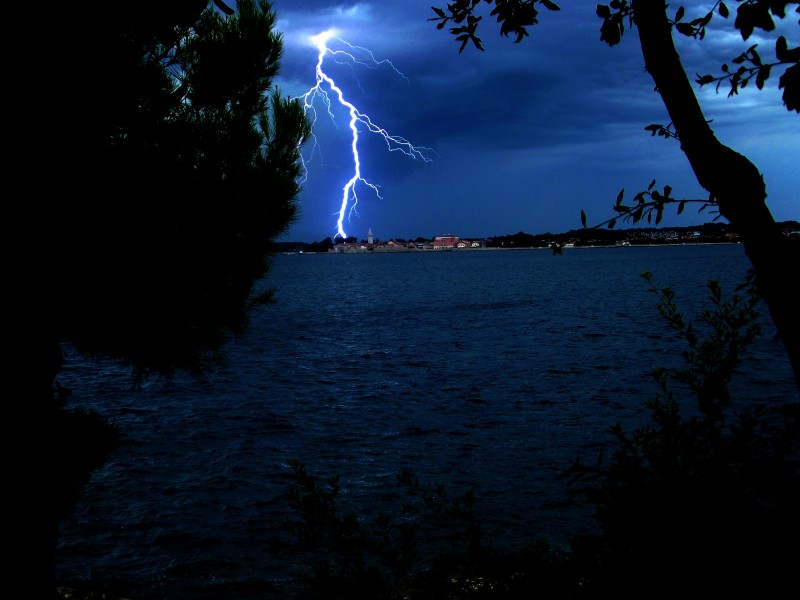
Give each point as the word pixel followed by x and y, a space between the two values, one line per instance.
pixel 731 178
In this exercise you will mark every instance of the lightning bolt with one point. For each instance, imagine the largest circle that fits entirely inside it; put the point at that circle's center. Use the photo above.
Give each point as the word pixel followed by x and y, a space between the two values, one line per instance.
pixel 322 91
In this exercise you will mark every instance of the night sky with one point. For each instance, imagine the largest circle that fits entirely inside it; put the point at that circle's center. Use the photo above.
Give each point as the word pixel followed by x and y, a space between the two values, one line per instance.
pixel 521 137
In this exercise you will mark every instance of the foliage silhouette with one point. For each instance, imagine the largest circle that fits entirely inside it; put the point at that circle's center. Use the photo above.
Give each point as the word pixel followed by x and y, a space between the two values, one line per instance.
pixel 346 559
pixel 182 167
pixel 706 502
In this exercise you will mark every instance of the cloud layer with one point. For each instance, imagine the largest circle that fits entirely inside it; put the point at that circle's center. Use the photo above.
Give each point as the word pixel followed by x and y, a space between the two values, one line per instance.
pixel 525 135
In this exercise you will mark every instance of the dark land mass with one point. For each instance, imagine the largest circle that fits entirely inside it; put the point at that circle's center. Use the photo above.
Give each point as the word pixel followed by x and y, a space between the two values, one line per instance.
pixel 707 233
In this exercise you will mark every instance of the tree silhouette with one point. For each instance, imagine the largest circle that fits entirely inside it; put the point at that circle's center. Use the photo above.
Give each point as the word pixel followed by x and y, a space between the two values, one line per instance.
pixel 168 163
pixel 735 185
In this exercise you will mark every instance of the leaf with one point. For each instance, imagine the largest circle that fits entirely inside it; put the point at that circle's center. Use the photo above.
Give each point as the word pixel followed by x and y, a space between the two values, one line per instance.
pixel 790 84
pixel 685 29
pixel 439 12
pixel 679 14
pixel 681 205
pixel 745 20
pixel 667 191
pixel 793 54
pixel 603 11
pixel 780 48
pixel 611 223
pixel 763 75
pixel 583 218
pixel 723 10
pixel 619 196
pixel 611 32
pixel 550 5
pixel 652 183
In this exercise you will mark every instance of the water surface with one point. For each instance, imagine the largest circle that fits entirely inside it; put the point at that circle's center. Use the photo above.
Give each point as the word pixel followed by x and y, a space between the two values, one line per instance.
pixel 489 370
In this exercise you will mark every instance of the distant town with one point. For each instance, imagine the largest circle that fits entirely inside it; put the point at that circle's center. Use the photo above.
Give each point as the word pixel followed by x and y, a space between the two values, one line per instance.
pixel 708 233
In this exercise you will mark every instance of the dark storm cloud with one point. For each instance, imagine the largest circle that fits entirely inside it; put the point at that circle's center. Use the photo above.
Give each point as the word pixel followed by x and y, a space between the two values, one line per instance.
pixel 534 130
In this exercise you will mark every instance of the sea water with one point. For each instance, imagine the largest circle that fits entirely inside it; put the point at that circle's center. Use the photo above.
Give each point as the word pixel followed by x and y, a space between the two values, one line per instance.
pixel 486 370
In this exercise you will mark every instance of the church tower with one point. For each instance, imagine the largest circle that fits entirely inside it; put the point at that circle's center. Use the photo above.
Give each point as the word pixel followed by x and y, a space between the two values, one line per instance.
pixel 369 236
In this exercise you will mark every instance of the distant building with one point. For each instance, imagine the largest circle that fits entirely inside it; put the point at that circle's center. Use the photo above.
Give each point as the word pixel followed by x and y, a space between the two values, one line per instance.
pixel 445 242
pixel 347 247
pixel 369 236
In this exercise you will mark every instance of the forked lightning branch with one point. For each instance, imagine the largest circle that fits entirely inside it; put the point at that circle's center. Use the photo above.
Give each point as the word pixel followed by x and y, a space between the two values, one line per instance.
pixel 326 91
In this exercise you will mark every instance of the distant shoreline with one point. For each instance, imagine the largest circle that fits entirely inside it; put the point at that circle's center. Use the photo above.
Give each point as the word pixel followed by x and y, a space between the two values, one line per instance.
pixel 707 233
pixel 403 250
